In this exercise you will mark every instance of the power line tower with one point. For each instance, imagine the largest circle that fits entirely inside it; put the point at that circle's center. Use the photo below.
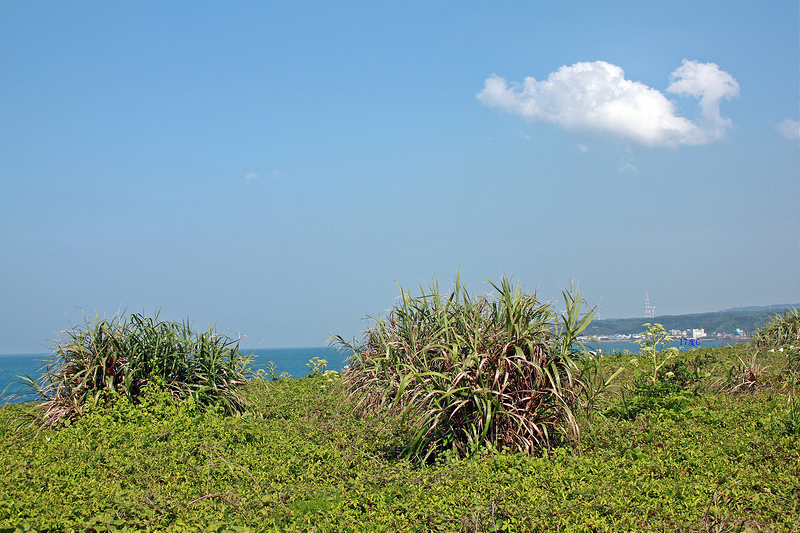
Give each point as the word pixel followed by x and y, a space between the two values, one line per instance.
pixel 649 311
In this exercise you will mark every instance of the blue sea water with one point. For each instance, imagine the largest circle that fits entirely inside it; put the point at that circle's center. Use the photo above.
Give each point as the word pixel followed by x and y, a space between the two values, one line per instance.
pixel 290 360
pixel 632 347
pixel 12 367
pixel 293 361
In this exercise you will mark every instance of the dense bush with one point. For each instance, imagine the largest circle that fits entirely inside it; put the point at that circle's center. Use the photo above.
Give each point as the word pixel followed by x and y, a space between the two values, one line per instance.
pixel 783 330
pixel 474 372
pixel 107 359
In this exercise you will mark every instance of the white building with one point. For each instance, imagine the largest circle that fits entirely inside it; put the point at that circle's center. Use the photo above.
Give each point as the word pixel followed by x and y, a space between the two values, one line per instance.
pixel 695 333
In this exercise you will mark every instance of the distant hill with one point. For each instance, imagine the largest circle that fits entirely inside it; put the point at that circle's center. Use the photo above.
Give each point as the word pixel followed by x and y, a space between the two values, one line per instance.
pixel 748 319
pixel 774 309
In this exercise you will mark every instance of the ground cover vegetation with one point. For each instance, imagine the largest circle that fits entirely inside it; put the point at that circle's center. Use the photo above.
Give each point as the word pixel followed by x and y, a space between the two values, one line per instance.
pixel 702 440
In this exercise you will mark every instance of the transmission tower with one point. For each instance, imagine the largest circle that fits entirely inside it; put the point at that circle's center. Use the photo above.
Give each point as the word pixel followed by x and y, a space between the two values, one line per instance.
pixel 649 311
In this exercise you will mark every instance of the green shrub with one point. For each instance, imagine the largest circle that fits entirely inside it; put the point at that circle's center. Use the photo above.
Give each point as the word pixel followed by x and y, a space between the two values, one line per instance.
pixel 317 366
pixel 660 379
pixel 748 375
pixel 104 359
pixel 271 373
pixel 474 373
pixel 783 330
pixel 652 339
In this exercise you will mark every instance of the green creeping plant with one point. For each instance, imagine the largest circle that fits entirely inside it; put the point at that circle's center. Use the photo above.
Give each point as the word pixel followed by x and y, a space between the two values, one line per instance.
pixel 303 458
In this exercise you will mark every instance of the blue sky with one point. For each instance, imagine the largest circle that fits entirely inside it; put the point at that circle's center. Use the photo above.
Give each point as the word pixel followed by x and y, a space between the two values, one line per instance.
pixel 276 168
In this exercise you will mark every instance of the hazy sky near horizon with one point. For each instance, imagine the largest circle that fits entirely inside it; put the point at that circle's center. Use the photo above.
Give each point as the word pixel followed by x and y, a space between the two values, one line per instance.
pixel 276 168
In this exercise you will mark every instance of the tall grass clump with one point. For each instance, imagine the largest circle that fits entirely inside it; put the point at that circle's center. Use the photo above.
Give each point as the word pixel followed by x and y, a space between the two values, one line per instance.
pixel 105 359
pixel 782 330
pixel 473 372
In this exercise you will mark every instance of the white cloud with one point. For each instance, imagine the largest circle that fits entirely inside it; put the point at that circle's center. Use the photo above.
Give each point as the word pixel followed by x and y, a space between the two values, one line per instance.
pixel 627 167
pixel 596 96
pixel 251 176
pixel 710 84
pixel 789 128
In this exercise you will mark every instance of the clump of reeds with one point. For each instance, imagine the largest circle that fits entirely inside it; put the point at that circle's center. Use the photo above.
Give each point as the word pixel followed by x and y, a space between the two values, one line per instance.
pixel 119 357
pixel 748 375
pixel 783 330
pixel 474 372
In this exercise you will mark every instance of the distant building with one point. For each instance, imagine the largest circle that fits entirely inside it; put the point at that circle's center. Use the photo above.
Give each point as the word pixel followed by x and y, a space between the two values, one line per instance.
pixel 695 333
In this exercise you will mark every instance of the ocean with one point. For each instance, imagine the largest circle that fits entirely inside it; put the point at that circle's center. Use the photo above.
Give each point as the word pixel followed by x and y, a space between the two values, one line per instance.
pixel 632 347
pixel 290 360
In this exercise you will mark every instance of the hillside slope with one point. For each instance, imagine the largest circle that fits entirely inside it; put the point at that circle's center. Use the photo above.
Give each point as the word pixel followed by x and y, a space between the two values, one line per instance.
pixel 746 318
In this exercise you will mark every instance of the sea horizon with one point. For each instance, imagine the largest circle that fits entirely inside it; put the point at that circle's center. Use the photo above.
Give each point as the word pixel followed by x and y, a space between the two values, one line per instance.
pixel 293 361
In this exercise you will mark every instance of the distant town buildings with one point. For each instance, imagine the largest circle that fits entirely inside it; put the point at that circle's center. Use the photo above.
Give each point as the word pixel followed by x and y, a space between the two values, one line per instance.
pixel 695 333
pixel 674 334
